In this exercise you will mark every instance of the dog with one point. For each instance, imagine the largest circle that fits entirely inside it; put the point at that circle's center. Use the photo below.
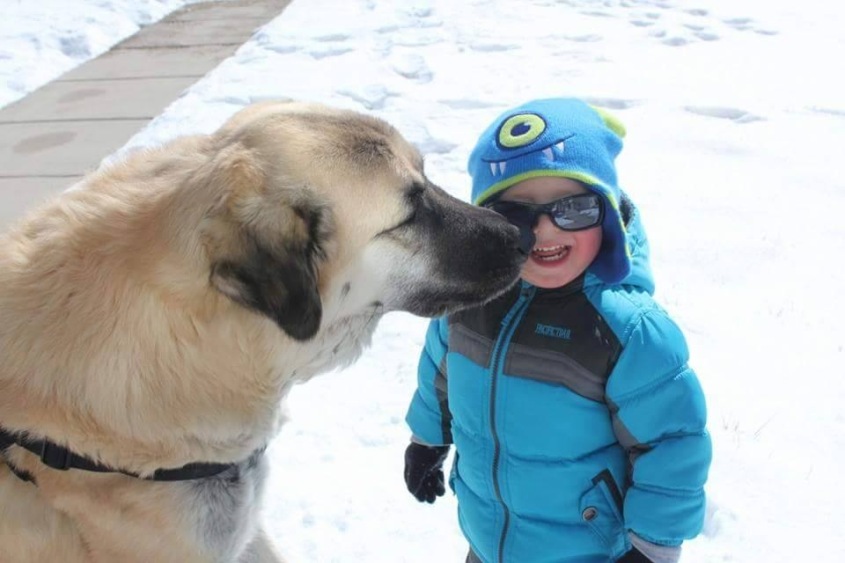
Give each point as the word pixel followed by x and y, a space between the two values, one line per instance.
pixel 153 318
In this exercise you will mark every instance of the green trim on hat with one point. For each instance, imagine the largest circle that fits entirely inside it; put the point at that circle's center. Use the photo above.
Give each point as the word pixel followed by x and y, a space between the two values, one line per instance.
pixel 507 183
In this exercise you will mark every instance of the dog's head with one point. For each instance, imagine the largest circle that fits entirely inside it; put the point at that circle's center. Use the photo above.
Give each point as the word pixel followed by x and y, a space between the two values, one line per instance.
pixel 330 210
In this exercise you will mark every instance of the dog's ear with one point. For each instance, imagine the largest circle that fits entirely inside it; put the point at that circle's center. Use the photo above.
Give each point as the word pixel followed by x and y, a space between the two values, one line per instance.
pixel 280 283
pixel 266 245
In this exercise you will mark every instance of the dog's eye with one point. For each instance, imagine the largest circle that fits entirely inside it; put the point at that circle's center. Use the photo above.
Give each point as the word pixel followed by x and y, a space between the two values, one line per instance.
pixel 412 196
pixel 415 192
pixel 403 223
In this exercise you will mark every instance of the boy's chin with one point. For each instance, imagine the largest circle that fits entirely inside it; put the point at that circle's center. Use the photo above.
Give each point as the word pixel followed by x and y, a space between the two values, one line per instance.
pixel 548 278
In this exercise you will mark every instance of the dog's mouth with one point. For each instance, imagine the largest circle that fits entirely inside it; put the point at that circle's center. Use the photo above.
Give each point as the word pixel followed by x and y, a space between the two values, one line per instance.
pixel 444 300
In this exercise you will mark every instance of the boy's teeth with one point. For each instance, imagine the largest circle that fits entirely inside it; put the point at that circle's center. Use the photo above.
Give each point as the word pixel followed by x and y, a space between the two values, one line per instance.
pixel 549 253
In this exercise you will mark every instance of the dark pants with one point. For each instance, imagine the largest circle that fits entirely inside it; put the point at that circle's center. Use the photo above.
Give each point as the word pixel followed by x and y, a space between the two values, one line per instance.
pixel 472 557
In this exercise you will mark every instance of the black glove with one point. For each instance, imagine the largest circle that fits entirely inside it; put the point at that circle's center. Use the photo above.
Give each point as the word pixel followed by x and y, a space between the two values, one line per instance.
pixel 423 471
pixel 634 556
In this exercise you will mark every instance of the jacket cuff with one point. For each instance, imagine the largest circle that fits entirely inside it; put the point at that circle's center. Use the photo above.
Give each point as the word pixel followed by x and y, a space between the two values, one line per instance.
pixel 656 553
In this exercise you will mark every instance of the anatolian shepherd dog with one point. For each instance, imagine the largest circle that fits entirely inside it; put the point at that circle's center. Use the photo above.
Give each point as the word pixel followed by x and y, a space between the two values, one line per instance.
pixel 153 318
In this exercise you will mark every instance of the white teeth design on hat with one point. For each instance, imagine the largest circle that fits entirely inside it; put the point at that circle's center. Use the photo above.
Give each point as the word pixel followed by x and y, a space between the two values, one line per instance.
pixel 498 168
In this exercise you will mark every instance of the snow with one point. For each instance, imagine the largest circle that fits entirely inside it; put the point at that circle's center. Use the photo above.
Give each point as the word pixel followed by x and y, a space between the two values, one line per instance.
pixel 736 119
pixel 42 39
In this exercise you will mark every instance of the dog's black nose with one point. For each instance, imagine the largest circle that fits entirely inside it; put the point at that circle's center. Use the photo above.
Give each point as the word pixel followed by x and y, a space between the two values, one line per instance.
pixel 522 236
pixel 526 239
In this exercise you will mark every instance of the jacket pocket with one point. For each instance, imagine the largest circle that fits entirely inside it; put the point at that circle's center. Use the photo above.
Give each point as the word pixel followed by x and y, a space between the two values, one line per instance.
pixel 601 511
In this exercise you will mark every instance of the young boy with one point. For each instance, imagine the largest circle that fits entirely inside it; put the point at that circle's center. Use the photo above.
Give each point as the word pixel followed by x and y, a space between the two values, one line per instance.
pixel 579 428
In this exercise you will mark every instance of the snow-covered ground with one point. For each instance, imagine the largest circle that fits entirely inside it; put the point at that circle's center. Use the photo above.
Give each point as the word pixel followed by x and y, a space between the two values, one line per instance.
pixel 736 121
pixel 42 39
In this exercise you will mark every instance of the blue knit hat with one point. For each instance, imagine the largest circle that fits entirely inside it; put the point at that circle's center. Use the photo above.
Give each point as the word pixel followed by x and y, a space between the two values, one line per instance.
pixel 558 137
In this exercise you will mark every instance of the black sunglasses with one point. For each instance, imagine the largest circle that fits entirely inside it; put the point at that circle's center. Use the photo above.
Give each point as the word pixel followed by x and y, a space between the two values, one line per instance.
pixel 570 213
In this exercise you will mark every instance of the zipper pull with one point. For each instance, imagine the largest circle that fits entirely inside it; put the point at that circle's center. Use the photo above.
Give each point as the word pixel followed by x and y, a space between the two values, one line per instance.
pixel 526 291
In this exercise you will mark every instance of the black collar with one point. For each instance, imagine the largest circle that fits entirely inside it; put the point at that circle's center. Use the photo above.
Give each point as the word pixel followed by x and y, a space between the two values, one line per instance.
pixel 59 457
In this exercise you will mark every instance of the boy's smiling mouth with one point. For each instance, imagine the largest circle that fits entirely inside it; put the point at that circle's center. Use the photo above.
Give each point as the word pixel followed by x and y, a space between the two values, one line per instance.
pixel 550 254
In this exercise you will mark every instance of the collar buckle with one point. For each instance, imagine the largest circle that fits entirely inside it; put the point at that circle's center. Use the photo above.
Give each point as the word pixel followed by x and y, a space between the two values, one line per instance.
pixel 55 456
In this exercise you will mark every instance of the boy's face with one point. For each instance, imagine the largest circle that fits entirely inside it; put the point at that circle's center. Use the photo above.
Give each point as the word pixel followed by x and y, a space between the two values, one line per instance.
pixel 558 256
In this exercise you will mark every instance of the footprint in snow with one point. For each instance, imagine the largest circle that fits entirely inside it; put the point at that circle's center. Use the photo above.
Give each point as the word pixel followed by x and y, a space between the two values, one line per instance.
pixel 420 11
pixel 719 112
pixel 738 21
pixel 491 47
pixel 390 28
pixel 415 39
pixel 75 46
pixel 462 103
pixel 828 111
pixel 716 518
pixel 610 103
pixel 332 37
pixel 739 24
pixel 694 23
pixel 706 35
pixel 411 66
pixel 318 54
pixel 281 48
pixel 371 97
pixel 588 38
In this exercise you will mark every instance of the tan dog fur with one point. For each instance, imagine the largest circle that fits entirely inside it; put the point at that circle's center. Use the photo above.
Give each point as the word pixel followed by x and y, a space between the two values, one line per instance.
pixel 126 336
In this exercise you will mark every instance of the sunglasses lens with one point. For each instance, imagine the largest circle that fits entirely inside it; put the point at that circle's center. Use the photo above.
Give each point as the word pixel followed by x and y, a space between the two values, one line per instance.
pixel 517 214
pixel 571 213
pixel 577 212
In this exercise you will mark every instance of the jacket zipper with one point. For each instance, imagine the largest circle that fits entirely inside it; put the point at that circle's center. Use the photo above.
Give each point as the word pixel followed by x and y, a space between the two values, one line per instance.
pixel 509 324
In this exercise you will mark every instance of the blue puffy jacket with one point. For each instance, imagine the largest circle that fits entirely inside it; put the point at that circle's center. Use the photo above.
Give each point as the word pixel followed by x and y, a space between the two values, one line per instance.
pixel 575 417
